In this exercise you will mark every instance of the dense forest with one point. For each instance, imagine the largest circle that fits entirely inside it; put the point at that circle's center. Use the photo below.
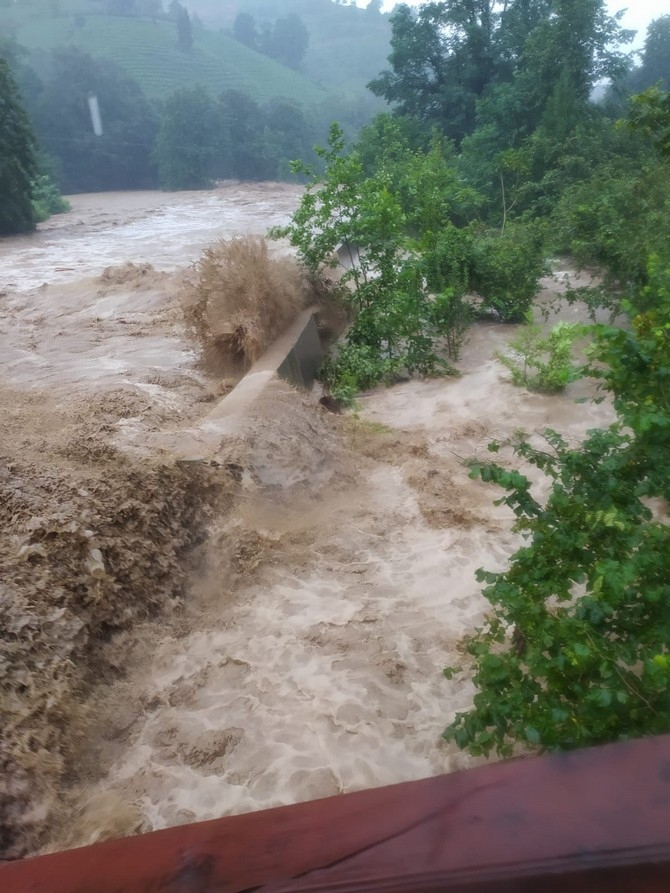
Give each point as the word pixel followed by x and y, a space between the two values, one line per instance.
pixel 495 156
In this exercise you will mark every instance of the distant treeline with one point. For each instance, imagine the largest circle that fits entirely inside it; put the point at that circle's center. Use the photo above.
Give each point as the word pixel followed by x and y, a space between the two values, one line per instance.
pixel 185 142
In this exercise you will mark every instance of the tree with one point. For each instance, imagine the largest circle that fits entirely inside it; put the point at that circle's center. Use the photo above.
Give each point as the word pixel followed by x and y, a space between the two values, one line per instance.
pixel 291 134
pixel 121 157
pixel 244 30
pixel 517 21
pixel 190 140
pixel 565 56
pixel 184 31
pixel 252 149
pixel 18 164
pixel 442 59
pixel 649 114
pixel 655 63
pixel 289 41
pixel 454 59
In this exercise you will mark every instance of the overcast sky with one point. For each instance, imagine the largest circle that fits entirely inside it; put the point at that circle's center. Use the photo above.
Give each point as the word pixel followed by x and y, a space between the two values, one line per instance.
pixel 638 16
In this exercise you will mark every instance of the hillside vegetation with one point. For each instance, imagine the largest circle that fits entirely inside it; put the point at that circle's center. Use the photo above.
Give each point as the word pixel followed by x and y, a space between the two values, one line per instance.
pixel 348 46
pixel 147 50
pixel 185 101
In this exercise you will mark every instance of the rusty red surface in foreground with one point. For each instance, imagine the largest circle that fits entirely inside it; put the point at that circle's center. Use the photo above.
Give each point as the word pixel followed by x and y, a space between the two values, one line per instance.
pixel 594 820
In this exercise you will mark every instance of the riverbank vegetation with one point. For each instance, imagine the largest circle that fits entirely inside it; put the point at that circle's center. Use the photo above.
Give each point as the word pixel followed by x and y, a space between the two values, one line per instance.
pixel 494 156
pixel 29 194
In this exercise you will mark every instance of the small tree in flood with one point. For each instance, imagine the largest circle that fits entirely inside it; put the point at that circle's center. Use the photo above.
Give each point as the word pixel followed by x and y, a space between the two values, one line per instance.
pixel 396 320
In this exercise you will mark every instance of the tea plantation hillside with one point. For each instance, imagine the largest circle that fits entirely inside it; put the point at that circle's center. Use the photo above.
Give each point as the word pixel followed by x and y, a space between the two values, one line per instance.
pixel 148 51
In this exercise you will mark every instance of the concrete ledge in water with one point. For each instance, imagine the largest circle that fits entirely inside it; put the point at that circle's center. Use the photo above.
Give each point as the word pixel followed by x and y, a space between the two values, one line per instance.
pixel 295 356
pixel 302 362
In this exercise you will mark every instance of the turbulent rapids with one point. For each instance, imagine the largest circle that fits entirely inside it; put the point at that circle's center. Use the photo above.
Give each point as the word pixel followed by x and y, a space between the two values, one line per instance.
pixel 267 624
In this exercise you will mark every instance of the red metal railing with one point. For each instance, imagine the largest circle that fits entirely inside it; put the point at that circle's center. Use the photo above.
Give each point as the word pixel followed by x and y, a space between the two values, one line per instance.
pixel 595 820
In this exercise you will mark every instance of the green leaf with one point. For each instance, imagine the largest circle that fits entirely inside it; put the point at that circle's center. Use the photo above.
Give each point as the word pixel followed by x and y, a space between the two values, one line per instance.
pixel 531 735
pixel 581 650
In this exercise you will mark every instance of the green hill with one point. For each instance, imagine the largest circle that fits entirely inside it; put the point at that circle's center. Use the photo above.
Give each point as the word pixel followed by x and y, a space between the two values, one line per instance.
pixel 147 50
pixel 348 46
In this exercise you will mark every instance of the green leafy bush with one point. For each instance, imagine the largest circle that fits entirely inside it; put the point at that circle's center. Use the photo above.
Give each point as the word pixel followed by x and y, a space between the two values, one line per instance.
pixel 542 362
pixel 18 163
pixel 446 254
pixel 354 368
pixel 614 220
pixel 619 215
pixel 397 322
pixel 506 269
pixel 47 199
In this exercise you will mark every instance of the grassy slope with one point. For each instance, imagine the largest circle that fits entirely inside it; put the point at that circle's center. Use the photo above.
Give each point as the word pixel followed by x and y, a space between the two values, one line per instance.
pixel 147 50
pixel 347 46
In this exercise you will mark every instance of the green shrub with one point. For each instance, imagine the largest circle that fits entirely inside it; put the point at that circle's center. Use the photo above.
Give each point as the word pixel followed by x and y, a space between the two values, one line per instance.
pixel 614 221
pixel 447 258
pixel 354 368
pixel 575 649
pixel 47 199
pixel 397 321
pixel 451 317
pixel 505 270
pixel 542 362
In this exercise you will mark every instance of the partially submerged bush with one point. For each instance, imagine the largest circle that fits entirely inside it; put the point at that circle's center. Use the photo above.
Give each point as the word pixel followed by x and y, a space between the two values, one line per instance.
pixel 405 294
pixel 574 650
pixel 355 367
pixel 543 362
pixel 506 269
pixel 47 199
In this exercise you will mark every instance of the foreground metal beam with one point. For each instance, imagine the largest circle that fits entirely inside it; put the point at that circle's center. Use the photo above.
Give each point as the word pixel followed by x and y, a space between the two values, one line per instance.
pixel 595 820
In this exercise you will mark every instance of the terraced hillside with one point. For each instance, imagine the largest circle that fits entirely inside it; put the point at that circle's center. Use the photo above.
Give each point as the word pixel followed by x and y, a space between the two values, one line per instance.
pixel 147 50
pixel 348 45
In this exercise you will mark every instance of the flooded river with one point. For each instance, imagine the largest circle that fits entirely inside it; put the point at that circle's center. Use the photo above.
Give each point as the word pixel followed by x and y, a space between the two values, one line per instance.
pixel 302 653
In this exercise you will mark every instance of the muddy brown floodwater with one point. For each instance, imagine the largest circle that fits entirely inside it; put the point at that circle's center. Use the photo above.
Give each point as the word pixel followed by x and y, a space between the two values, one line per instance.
pixel 186 641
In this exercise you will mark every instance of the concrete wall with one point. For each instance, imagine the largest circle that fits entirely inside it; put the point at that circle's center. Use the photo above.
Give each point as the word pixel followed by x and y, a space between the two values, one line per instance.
pixel 302 362
pixel 295 356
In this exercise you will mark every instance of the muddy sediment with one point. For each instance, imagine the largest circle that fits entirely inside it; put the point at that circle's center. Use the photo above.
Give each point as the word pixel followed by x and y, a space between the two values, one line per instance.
pixel 88 550
pixel 261 624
